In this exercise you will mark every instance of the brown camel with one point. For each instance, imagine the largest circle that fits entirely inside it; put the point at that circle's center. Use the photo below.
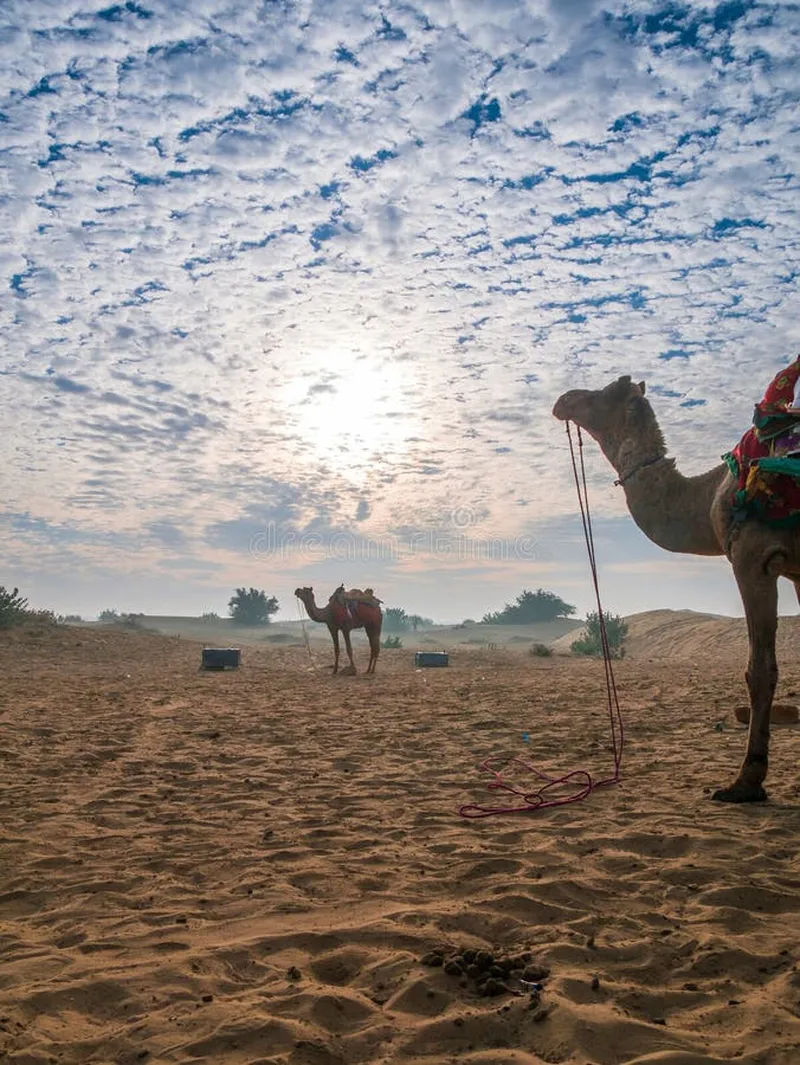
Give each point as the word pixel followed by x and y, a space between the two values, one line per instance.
pixel 344 612
pixel 694 515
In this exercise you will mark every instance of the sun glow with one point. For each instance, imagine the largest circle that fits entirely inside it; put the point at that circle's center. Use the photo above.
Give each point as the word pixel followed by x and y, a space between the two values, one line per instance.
pixel 349 409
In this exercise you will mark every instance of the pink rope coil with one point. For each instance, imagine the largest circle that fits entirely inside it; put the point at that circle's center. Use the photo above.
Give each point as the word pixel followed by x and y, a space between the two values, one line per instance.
pixel 538 798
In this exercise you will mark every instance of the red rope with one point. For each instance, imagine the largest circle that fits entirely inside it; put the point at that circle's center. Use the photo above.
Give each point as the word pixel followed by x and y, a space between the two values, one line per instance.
pixel 538 799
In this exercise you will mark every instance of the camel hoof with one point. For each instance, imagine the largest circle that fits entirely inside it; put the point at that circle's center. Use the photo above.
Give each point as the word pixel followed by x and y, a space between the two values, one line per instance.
pixel 740 793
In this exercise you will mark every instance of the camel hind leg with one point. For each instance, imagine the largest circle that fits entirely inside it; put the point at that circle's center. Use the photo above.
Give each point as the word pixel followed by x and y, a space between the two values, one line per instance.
pixel 374 637
pixel 759 590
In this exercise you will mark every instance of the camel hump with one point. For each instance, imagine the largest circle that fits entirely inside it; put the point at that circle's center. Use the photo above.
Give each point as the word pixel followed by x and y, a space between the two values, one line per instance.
pixel 356 595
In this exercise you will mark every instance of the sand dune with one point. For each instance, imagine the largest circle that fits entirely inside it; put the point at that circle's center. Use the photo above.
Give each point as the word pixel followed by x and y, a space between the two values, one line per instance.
pixel 250 867
pixel 685 634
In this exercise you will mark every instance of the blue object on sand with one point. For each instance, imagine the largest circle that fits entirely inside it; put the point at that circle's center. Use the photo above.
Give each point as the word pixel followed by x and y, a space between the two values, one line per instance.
pixel 431 658
pixel 221 657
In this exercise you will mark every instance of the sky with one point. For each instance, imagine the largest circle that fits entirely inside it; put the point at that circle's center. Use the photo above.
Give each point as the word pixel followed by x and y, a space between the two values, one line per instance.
pixel 289 290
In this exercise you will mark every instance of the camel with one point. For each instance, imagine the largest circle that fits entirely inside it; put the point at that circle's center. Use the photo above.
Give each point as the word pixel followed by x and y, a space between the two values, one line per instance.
pixel 344 612
pixel 695 515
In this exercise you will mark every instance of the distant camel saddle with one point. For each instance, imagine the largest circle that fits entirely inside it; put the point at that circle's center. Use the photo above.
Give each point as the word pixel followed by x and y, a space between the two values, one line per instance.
pixel 351 603
pixel 355 595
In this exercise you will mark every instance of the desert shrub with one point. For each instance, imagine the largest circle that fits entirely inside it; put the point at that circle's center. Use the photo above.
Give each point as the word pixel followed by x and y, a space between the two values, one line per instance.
pixel 391 643
pixel 530 608
pixel 252 607
pixel 395 619
pixel 592 643
pixel 210 615
pixel 131 621
pixel 70 619
pixel 108 616
pixel 540 650
pixel 13 608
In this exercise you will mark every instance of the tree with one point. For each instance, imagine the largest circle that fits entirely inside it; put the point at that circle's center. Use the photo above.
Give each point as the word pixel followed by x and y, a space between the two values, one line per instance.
pixel 529 608
pixel 13 608
pixel 395 619
pixel 592 642
pixel 252 607
pixel 416 621
pixel 108 616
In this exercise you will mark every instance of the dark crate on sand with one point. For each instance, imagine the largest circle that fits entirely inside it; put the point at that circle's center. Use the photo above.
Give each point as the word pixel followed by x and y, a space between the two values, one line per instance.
pixel 221 658
pixel 431 658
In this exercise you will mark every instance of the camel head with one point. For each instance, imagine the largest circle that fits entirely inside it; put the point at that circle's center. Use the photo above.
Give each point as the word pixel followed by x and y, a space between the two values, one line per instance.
pixel 304 593
pixel 604 411
pixel 618 416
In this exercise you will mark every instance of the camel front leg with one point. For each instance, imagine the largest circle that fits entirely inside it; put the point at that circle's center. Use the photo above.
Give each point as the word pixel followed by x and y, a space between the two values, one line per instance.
pixel 760 598
pixel 349 649
pixel 335 637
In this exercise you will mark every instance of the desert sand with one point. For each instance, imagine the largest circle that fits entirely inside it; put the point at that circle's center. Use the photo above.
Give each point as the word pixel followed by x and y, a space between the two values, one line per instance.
pixel 249 867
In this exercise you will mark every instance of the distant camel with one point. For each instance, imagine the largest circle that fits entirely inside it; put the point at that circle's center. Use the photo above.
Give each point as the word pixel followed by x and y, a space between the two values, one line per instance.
pixel 344 612
pixel 695 515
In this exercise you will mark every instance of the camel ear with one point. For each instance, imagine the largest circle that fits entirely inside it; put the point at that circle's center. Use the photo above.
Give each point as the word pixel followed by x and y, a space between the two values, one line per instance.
pixel 642 387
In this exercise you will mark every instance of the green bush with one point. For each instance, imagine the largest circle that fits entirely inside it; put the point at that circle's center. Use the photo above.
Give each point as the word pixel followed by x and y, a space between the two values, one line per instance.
pixel 530 607
pixel 395 619
pixel 592 643
pixel 252 607
pixel 540 650
pixel 392 642
pixel 108 616
pixel 13 608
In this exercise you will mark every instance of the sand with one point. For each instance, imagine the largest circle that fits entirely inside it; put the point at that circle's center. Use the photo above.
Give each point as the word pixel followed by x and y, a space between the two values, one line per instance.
pixel 248 867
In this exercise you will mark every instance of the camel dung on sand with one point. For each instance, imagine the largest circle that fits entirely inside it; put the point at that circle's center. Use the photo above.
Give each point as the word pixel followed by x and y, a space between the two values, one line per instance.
pixel 695 515
pixel 345 611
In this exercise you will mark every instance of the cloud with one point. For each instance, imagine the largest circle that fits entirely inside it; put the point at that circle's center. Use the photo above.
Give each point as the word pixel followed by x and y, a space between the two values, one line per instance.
pixel 330 264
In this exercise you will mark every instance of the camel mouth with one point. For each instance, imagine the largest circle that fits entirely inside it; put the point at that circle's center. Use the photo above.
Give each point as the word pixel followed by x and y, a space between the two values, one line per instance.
pixel 559 409
pixel 563 407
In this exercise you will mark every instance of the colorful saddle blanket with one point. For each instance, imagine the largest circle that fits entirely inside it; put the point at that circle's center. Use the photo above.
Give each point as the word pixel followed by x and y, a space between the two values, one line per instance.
pixel 345 604
pixel 766 465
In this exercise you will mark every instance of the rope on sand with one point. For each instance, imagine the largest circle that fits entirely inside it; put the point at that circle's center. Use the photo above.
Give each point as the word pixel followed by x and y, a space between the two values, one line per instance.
pixel 579 779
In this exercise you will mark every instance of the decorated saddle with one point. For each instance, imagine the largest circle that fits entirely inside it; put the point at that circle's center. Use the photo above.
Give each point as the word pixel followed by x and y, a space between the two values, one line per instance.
pixel 345 604
pixel 766 461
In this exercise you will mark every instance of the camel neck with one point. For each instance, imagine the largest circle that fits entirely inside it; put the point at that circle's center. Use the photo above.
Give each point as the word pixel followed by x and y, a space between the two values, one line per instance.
pixel 672 510
pixel 314 611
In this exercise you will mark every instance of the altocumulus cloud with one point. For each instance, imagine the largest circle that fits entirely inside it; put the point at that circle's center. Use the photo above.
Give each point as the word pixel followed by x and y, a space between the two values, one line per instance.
pixel 333 261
